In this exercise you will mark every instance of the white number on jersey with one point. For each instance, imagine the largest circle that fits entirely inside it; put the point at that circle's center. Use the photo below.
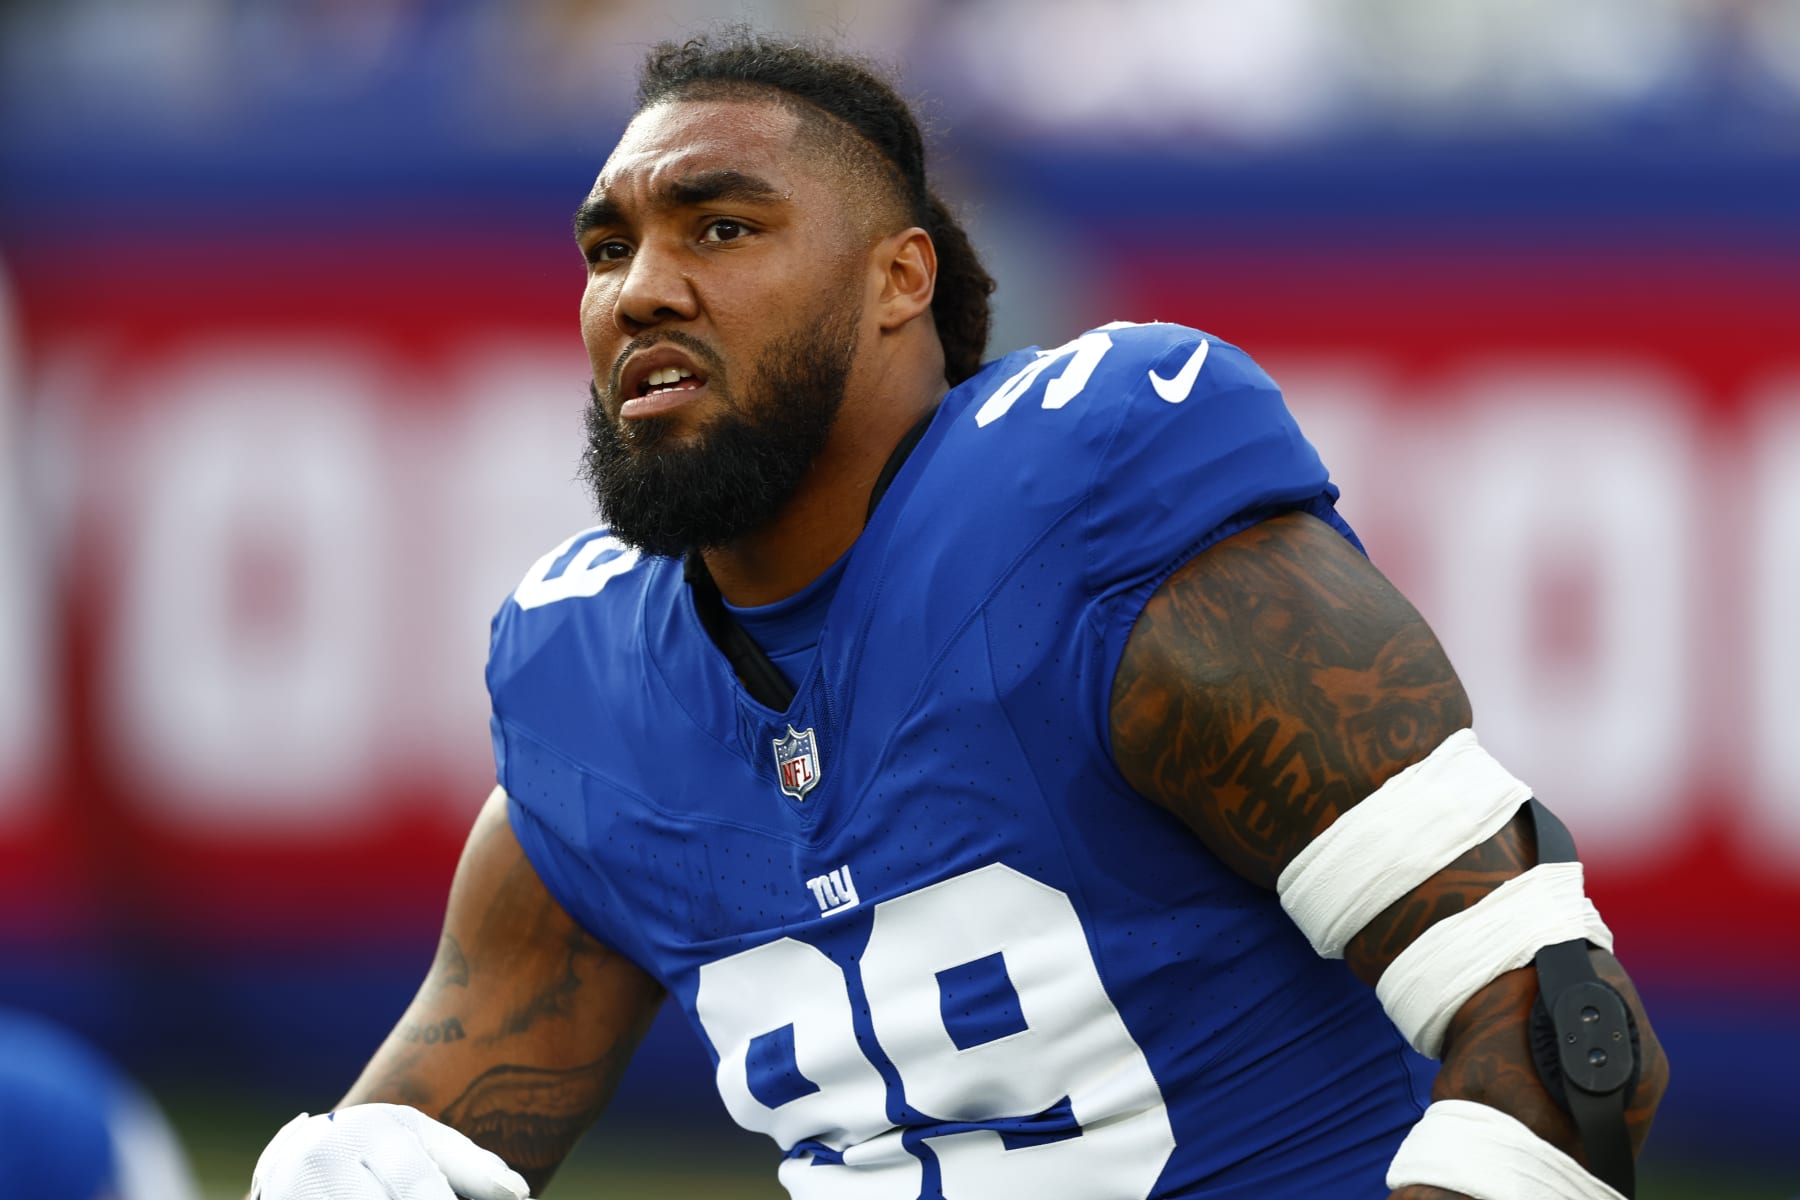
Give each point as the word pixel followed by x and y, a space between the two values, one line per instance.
pixel 580 566
pixel 1086 351
pixel 1084 354
pixel 1072 1044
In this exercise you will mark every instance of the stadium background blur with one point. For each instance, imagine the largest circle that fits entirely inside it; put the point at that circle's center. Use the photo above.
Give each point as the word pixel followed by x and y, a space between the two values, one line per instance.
pixel 290 391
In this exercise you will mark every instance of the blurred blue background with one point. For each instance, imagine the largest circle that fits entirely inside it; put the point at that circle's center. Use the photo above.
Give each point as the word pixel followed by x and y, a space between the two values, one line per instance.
pixel 290 397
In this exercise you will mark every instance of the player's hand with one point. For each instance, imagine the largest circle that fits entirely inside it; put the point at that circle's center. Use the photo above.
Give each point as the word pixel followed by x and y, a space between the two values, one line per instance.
pixel 379 1152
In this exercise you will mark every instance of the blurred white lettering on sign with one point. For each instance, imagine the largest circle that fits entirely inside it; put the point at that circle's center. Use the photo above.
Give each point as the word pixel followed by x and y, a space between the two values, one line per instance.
pixel 1539 514
pixel 255 578
pixel 308 567
pixel 25 693
pixel 498 489
pixel 1564 559
pixel 1772 833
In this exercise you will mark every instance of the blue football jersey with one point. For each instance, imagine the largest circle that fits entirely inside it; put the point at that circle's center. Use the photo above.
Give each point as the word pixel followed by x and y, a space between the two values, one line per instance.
pixel 935 944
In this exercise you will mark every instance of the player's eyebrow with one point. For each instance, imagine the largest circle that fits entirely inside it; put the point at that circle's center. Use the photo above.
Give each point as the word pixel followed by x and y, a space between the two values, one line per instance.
pixel 723 184
pixel 707 187
pixel 595 213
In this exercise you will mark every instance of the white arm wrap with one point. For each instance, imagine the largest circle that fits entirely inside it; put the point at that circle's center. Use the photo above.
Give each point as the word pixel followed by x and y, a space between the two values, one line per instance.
pixel 1481 1152
pixel 1407 830
pixel 1461 954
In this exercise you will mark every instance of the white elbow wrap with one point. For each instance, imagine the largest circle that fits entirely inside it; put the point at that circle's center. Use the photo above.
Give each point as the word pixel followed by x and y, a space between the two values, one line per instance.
pixel 1455 958
pixel 1407 830
pixel 1410 828
pixel 1484 1153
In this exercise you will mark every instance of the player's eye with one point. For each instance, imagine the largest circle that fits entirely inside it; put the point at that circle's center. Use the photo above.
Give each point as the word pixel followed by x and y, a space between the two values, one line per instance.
pixel 607 251
pixel 724 230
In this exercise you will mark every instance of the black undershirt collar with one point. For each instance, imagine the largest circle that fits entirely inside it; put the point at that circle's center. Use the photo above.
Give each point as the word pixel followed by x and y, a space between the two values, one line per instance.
pixel 760 676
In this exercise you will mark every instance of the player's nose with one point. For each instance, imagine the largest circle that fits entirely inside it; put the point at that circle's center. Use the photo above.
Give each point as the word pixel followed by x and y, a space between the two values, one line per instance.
pixel 656 290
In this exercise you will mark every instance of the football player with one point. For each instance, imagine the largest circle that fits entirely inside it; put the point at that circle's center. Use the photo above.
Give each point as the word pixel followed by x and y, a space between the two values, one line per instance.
pixel 1017 773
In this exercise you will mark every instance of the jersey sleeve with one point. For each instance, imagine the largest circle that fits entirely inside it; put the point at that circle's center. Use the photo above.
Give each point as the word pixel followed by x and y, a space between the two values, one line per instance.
pixel 552 802
pixel 1203 445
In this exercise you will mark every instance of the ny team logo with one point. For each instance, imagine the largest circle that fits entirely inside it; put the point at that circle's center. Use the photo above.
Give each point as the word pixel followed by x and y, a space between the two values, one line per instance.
pixel 835 891
pixel 797 762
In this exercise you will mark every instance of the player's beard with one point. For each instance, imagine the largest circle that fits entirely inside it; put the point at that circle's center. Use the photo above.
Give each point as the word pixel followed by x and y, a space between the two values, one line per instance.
pixel 737 472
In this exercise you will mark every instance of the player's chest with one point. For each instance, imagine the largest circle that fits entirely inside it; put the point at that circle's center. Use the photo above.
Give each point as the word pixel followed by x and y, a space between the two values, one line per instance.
pixel 875 720
pixel 768 822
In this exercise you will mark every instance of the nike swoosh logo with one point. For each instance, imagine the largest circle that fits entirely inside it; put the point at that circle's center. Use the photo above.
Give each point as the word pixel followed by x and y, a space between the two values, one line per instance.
pixel 1176 390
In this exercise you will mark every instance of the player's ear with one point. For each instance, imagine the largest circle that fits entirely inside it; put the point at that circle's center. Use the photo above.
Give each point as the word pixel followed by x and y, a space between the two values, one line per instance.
pixel 907 266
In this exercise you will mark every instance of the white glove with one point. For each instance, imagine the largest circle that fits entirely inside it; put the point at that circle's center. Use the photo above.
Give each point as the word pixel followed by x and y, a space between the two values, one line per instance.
pixel 379 1152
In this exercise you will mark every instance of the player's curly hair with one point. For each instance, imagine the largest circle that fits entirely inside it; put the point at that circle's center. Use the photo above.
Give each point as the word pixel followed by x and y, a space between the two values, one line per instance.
pixel 856 92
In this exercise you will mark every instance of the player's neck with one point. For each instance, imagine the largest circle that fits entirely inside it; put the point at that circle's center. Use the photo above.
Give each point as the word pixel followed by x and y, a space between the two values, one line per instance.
pixel 826 514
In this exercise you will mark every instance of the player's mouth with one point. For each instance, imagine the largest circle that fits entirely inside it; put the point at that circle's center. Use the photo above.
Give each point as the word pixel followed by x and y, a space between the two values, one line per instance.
pixel 659 381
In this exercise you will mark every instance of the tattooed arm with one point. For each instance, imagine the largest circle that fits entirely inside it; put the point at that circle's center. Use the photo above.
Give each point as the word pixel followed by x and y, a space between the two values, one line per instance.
pixel 524 1022
pixel 1275 681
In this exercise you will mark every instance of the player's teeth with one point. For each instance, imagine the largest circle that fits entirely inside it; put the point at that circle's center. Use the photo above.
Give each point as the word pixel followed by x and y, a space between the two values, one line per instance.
pixel 667 375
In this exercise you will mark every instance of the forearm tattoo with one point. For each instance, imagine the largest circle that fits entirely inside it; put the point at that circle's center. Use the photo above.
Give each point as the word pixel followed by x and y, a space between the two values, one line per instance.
pixel 451 966
pixel 488 1044
pixel 583 957
pixel 532 1116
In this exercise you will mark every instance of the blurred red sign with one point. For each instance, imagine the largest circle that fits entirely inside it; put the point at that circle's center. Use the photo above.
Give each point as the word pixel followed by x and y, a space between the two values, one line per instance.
pixel 272 505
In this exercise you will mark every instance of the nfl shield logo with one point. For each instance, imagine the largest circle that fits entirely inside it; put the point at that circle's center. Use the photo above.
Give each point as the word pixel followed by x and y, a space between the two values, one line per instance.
pixel 797 762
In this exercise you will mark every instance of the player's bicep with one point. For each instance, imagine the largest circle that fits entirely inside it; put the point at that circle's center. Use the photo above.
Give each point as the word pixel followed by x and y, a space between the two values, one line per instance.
pixel 1276 682
pixel 524 1022
pixel 1271 683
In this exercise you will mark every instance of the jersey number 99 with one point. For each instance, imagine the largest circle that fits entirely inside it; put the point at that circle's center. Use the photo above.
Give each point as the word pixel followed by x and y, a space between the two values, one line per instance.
pixel 1060 1039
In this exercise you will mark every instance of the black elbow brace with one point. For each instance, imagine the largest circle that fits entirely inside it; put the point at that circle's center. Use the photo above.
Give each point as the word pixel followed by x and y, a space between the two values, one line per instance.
pixel 1584 1038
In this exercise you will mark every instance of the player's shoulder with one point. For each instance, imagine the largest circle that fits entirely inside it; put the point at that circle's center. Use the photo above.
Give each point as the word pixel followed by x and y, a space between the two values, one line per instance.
pixel 1121 406
pixel 1141 439
pixel 590 582
pixel 1112 367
